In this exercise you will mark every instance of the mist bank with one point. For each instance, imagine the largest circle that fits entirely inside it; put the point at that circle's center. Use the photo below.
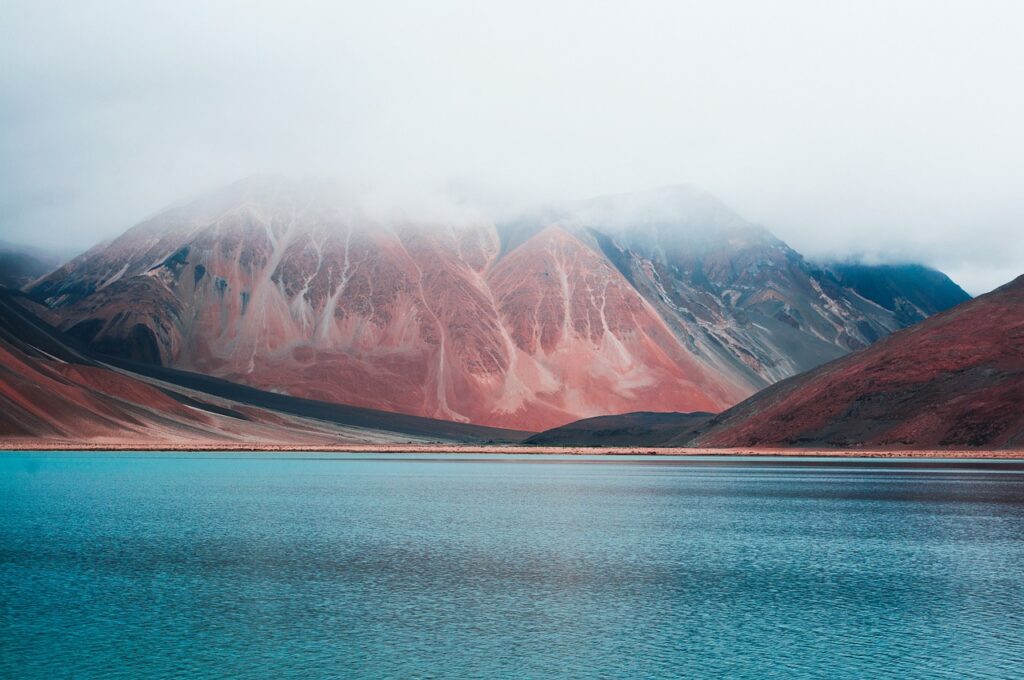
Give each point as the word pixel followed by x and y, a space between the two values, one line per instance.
pixel 689 209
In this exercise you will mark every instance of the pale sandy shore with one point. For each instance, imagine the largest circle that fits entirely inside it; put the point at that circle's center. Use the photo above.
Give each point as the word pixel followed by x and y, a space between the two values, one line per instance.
pixel 36 445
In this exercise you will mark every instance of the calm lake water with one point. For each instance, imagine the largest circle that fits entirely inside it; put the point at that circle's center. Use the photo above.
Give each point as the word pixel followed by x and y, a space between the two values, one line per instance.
pixel 214 565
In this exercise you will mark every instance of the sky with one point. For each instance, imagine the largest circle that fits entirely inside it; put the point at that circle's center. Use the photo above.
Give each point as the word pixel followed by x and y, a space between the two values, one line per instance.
pixel 888 131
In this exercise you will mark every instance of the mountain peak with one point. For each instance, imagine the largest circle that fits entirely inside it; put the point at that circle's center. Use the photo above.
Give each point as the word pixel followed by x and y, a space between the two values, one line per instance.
pixel 657 299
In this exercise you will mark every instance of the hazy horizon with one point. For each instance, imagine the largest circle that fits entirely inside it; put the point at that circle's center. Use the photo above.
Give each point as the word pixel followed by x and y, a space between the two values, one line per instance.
pixel 883 131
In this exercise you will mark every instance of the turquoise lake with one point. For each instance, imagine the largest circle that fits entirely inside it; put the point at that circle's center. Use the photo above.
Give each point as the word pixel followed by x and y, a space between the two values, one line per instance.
pixel 312 566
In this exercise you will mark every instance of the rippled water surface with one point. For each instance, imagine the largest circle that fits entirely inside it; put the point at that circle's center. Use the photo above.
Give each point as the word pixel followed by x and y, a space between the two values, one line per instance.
pixel 211 565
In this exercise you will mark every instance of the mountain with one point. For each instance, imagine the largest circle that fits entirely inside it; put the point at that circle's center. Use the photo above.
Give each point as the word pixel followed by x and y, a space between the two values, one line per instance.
pixel 664 300
pixel 20 265
pixel 627 429
pixel 739 297
pixel 911 291
pixel 955 380
pixel 55 390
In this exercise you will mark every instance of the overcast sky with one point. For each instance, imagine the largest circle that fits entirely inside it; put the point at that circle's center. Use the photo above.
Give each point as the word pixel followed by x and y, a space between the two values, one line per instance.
pixel 889 130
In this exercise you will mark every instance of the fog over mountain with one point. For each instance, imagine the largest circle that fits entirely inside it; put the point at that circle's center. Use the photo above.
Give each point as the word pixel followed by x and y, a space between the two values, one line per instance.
pixel 663 299
pixel 883 131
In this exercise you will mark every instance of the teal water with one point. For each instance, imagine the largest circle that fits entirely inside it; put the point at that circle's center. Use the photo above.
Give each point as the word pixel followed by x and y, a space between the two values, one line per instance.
pixel 212 565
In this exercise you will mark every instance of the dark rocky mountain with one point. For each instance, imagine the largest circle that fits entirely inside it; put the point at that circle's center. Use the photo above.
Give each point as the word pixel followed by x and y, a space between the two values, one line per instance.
pixel 20 265
pixel 738 296
pixel 664 300
pixel 911 291
pixel 627 429
pixel 955 380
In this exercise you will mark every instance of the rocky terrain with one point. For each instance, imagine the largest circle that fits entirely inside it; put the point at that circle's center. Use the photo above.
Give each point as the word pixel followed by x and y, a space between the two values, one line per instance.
pixel 56 393
pixel 955 380
pixel 661 301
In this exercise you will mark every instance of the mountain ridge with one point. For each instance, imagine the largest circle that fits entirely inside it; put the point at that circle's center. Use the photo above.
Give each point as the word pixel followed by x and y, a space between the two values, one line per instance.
pixel 955 380
pixel 527 323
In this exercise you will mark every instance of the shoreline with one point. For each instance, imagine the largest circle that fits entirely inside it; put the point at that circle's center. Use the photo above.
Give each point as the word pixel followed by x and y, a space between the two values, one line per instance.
pixel 499 449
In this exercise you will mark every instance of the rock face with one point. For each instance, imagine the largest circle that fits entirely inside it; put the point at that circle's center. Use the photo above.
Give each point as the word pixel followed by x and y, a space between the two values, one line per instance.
pixel 740 298
pixel 604 307
pixel 955 380
pixel 54 391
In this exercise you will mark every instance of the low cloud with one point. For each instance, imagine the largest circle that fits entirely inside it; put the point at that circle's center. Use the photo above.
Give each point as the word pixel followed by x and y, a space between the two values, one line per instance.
pixel 877 128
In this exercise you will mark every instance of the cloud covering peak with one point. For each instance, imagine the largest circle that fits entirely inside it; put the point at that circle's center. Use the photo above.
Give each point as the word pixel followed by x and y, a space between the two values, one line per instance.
pixel 885 129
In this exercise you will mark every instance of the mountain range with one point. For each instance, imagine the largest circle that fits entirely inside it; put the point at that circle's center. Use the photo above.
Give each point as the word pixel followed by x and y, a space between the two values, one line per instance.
pixel 656 301
pixel 955 380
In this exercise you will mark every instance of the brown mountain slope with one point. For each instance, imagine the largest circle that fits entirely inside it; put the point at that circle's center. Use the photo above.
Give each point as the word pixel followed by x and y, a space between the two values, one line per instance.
pixel 46 398
pixel 955 380
pixel 55 392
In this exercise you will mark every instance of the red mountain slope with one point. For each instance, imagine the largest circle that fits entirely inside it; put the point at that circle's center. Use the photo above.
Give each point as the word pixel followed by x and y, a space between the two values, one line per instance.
pixel 584 341
pixel 954 380
pixel 48 400
pixel 53 391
